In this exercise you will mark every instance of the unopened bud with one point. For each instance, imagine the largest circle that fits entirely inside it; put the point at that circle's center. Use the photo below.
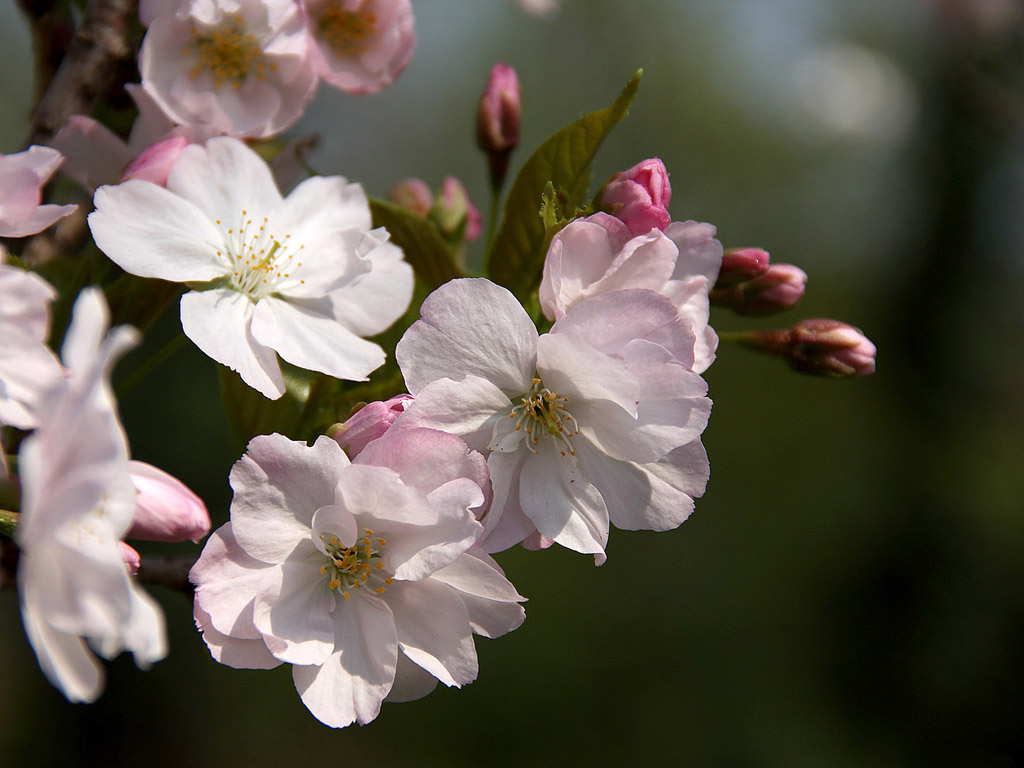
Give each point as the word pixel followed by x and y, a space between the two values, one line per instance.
pixel 165 508
pixel 778 288
pixel 821 346
pixel 154 163
pixel 640 197
pixel 368 423
pixel 455 213
pixel 740 265
pixel 413 195
pixel 497 119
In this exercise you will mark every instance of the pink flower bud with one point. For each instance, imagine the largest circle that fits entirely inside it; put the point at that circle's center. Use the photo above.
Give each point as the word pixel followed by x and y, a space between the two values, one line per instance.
pixel 740 265
pixel 497 119
pixel 368 423
pixel 154 163
pixel 778 288
pixel 640 197
pixel 413 195
pixel 456 212
pixel 131 558
pixel 821 346
pixel 165 508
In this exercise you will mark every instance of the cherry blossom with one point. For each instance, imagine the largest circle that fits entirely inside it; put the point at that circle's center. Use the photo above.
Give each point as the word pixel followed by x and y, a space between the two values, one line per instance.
pixel 303 276
pixel 597 421
pixel 362 575
pixel 77 505
pixel 22 176
pixel 598 254
pixel 360 46
pixel 239 66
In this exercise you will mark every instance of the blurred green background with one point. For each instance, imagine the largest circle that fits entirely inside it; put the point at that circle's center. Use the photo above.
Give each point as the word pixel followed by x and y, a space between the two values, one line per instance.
pixel 850 591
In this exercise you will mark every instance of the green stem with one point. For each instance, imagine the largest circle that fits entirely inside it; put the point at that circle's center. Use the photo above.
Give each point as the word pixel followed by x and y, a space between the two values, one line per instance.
pixel 492 222
pixel 733 337
pixel 147 367
pixel 8 522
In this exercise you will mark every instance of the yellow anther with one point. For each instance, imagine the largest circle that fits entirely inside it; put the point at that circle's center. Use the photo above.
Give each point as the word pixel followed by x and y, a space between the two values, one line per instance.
pixel 378 590
pixel 346 595
pixel 382 542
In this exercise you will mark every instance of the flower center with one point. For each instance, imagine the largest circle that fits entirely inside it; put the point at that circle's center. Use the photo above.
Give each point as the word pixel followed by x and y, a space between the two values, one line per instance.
pixel 542 413
pixel 347 32
pixel 260 259
pixel 350 568
pixel 229 53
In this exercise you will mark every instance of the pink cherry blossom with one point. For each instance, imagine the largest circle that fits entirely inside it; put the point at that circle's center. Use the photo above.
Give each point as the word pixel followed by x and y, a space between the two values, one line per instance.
pixel 362 575
pixel 360 46
pixel 22 176
pixel 640 196
pixel 596 422
pixel 77 505
pixel 238 66
pixel 596 254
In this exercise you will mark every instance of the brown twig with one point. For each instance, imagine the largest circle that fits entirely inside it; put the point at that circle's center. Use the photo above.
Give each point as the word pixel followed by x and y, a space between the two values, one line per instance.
pixel 170 572
pixel 89 68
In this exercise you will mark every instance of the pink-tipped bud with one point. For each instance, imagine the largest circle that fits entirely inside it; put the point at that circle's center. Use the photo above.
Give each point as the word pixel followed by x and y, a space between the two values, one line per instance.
pixel 368 423
pixel 455 212
pixel 498 118
pixel 821 346
pixel 778 288
pixel 413 195
pixel 165 508
pixel 131 558
pixel 640 197
pixel 740 265
pixel 154 163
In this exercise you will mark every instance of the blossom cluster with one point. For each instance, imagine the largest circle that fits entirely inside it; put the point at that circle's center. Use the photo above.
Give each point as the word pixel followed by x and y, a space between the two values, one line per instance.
pixel 529 412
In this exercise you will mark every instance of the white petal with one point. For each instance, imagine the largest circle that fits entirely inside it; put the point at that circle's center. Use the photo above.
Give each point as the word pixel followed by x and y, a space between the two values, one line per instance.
pixel 468 327
pixel 411 681
pixel 218 321
pixel 505 524
pixel 469 408
pixel 294 610
pixel 306 338
pixel 279 485
pixel 232 651
pixel 351 684
pixel 148 231
pixel 226 580
pixel 65 659
pixel 378 298
pixel 561 503
pixel 433 629
pixel 322 204
pixel 223 179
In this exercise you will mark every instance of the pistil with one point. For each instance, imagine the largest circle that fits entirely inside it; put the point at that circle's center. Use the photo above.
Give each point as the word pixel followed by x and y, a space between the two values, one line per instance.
pixel 543 413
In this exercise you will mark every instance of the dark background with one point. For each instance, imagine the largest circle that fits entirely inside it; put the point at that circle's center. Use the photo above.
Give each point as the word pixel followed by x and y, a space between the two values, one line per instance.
pixel 849 591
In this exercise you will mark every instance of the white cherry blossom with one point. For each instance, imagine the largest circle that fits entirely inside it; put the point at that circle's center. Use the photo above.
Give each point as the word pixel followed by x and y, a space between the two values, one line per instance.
pixel 303 277
pixel 77 504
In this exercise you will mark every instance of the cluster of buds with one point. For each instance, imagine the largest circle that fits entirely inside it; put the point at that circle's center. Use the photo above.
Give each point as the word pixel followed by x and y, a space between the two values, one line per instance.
pixel 750 285
pixel 450 209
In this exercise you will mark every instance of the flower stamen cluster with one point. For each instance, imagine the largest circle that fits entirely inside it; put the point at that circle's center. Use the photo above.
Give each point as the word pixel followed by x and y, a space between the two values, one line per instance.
pixel 263 260
pixel 351 567
pixel 229 53
pixel 347 32
pixel 541 413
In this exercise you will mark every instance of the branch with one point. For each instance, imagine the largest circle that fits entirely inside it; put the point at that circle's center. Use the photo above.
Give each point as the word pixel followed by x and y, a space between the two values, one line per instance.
pixel 170 572
pixel 89 68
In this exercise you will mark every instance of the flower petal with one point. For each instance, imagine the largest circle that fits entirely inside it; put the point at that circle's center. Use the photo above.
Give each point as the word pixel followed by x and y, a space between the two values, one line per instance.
pixel 279 485
pixel 351 684
pixel 411 681
pixel 218 321
pixel 468 327
pixel 371 304
pixel 433 629
pixel 469 408
pixel 305 335
pixel 232 651
pixel 294 609
pixel 226 580
pixel 152 232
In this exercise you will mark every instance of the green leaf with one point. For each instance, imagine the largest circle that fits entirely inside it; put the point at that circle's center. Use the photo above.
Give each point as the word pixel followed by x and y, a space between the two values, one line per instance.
pixel 517 255
pixel 424 248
